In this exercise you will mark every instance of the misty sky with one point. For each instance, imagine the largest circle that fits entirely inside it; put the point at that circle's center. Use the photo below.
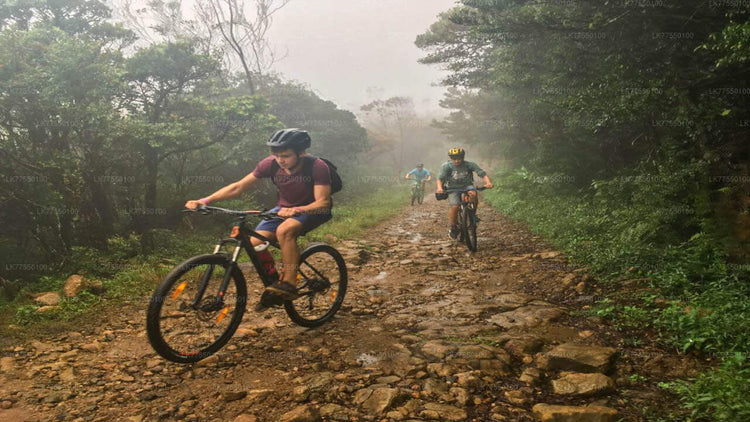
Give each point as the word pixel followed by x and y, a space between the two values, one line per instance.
pixel 340 48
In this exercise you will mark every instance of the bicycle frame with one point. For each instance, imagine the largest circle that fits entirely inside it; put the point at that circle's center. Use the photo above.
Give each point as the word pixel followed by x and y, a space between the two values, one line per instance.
pixel 240 236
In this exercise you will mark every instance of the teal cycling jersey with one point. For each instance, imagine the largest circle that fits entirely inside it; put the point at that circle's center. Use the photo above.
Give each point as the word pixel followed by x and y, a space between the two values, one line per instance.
pixel 455 177
pixel 419 175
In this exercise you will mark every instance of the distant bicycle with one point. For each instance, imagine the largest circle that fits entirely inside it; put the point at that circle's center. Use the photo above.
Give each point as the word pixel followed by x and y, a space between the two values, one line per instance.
pixel 417 191
pixel 467 217
pixel 199 305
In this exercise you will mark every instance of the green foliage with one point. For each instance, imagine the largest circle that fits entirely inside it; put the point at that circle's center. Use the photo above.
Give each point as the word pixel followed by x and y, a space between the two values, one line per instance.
pixel 718 395
pixel 26 314
pixel 715 321
pixel 101 144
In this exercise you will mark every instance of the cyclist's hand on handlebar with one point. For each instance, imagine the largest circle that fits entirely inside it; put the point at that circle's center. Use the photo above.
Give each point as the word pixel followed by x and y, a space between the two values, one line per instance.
pixel 193 205
pixel 287 212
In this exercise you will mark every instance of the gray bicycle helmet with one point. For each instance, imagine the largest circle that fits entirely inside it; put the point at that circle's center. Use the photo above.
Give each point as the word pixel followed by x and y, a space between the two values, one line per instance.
pixel 295 139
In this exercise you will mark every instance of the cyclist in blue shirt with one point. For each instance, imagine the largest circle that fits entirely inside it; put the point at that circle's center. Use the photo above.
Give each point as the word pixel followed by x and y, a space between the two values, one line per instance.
pixel 419 173
pixel 421 177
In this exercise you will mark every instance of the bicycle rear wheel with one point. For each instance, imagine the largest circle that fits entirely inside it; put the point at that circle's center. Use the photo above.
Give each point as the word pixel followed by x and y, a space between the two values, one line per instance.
pixel 470 228
pixel 323 281
pixel 186 321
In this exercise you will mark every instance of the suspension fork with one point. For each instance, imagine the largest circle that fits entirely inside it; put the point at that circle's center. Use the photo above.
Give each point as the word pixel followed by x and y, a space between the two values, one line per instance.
pixel 209 272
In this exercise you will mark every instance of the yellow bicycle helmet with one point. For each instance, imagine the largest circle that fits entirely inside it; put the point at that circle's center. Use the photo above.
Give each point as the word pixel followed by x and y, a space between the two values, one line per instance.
pixel 456 153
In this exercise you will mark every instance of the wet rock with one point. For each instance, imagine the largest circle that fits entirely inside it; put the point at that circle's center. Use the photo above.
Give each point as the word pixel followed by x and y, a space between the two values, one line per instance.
pixel 434 387
pixel 380 400
pixel 441 369
pixel 527 316
pixel 530 376
pixel 360 396
pixel 475 352
pixel 569 279
pixel 245 418
pixel 331 411
pixel 526 345
pixel 553 413
pixel 301 393
pixel 580 358
pixel 462 396
pixel 7 364
pixel 392 379
pixel 583 384
pixel 75 284
pixel 233 395
pixel 67 375
pixel 468 380
pixel 438 349
pixel 317 384
pixel 45 309
pixel 303 413
pixel 443 412
pixel 6 404
pixel 48 298
pixel 91 347
pixel 209 361
pixel 259 395
pixel 41 347
pixel 517 397
pixel 245 332
pixel 494 367
pixel 510 301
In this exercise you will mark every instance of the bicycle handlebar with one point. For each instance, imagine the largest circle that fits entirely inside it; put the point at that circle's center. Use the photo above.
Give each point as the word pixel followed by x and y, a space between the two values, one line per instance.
pixel 463 190
pixel 205 209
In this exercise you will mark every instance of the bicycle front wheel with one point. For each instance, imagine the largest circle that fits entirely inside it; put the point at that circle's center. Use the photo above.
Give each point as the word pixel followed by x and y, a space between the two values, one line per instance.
pixel 470 229
pixel 323 280
pixel 188 319
pixel 461 225
pixel 420 197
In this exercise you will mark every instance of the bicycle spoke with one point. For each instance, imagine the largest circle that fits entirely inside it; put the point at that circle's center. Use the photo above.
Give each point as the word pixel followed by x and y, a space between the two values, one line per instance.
pixel 325 274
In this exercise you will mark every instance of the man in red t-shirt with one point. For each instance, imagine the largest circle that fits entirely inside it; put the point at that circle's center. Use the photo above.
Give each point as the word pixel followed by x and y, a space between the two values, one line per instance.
pixel 306 205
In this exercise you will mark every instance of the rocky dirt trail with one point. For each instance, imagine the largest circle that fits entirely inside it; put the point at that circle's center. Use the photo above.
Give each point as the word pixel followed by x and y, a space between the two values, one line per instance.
pixel 427 332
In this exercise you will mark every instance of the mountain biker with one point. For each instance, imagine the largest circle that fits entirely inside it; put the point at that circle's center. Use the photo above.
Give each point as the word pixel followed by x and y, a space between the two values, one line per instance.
pixel 459 174
pixel 420 174
pixel 305 205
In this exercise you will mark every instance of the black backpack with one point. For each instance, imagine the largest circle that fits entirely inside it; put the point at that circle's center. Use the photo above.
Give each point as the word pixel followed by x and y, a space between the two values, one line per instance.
pixel 307 172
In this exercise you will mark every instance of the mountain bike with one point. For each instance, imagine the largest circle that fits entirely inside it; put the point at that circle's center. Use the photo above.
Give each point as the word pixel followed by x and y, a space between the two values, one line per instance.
pixel 199 305
pixel 417 191
pixel 467 217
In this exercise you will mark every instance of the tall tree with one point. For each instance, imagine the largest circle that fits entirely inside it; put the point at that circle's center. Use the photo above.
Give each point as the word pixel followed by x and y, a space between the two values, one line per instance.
pixel 244 26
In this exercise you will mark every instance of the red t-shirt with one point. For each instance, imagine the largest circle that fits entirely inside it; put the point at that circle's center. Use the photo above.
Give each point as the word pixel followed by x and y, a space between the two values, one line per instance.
pixel 294 191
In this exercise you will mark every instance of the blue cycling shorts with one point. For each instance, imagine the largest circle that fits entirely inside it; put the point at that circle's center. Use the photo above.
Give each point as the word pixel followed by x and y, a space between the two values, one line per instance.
pixel 309 221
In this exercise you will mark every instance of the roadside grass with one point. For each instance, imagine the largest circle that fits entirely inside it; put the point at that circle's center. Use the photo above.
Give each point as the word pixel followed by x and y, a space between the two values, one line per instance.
pixel 129 278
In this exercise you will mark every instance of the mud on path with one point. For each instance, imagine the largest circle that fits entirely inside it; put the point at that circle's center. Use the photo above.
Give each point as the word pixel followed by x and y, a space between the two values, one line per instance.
pixel 427 332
